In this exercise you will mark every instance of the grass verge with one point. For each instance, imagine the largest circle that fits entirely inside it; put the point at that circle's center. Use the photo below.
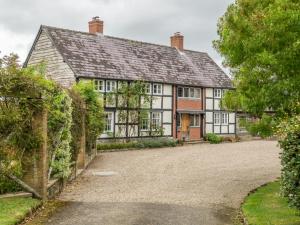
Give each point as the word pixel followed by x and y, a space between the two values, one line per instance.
pixel 267 207
pixel 14 210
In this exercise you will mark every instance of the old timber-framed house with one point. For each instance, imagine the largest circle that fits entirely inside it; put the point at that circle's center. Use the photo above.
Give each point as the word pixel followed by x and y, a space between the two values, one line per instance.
pixel 185 86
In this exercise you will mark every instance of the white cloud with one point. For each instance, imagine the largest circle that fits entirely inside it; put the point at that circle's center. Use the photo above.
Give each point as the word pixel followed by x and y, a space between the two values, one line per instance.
pixel 146 20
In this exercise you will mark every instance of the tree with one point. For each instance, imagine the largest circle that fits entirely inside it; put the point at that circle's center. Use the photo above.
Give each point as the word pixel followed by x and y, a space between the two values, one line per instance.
pixel 260 42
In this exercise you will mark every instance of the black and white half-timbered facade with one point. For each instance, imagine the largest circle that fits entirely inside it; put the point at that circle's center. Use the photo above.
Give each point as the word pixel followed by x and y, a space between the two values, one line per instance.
pixel 185 87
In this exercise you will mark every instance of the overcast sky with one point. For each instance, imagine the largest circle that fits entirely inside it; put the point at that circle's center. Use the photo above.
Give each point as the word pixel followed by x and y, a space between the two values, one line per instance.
pixel 144 20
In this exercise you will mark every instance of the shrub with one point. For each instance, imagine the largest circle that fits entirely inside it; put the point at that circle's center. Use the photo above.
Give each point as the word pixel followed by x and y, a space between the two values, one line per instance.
pixel 289 135
pixel 150 143
pixel 262 128
pixel 213 138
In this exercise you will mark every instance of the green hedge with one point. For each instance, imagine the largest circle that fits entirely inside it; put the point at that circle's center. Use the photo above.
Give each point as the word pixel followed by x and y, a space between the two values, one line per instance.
pixel 151 143
pixel 289 133
pixel 213 138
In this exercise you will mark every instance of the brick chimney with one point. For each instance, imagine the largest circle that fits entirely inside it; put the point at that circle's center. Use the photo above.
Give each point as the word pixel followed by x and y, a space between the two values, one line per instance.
pixel 177 41
pixel 96 26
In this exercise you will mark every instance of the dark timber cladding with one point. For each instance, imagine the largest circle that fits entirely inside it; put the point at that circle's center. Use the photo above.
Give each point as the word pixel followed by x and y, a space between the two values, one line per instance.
pixel 100 56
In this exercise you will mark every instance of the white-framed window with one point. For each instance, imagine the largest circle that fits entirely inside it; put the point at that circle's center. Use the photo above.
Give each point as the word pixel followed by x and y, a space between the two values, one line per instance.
pixel 217 93
pixel 145 122
pixel 156 120
pixel 197 93
pixel 185 92
pixel 217 118
pixel 178 120
pixel 195 120
pixel 148 88
pixel 109 122
pixel 225 118
pixel 110 85
pixel 99 85
pixel 157 89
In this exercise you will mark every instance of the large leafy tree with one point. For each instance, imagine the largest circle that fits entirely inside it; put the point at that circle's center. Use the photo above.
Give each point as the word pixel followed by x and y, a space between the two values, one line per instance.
pixel 260 42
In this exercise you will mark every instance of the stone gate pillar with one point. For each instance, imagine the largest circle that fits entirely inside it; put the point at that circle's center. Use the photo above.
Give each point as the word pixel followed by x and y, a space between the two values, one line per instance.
pixel 36 170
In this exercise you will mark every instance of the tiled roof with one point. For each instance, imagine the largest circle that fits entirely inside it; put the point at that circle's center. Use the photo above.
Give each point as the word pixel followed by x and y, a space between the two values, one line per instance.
pixel 101 56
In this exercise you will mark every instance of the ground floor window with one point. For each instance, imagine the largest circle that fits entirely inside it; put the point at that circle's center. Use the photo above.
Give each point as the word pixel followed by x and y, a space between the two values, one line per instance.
pixel 109 122
pixel 145 121
pixel 225 118
pixel 156 120
pixel 221 118
pixel 217 118
pixel 195 120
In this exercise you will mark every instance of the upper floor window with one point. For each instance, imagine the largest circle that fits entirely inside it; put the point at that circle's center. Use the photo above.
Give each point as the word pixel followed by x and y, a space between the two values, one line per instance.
pixel 99 85
pixel 185 92
pixel 195 120
pixel 217 93
pixel 148 88
pixel 110 86
pixel 157 89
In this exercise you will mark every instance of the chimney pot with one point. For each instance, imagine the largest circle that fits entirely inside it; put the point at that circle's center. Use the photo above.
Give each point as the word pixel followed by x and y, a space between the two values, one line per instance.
pixel 96 25
pixel 177 41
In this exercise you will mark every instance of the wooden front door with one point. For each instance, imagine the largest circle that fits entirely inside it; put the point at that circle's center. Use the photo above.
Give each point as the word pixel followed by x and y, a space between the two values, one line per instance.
pixel 185 126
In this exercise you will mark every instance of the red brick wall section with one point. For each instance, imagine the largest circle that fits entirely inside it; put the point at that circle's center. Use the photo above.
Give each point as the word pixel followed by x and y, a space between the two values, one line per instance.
pixel 189 104
pixel 96 26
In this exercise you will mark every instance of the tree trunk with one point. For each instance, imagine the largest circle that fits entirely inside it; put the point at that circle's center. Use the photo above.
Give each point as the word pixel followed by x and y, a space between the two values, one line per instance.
pixel 24 185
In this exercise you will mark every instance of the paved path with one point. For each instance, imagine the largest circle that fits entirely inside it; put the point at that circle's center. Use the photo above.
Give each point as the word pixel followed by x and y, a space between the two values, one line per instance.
pixel 189 185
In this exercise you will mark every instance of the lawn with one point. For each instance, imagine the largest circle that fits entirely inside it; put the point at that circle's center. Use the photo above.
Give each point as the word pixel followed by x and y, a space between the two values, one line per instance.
pixel 267 207
pixel 13 210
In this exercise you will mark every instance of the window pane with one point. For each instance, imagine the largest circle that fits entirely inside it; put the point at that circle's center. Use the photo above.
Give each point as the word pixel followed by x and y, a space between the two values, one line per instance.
pixel 191 92
pixel 180 92
pixel 197 120
pixel 186 92
pixel 197 93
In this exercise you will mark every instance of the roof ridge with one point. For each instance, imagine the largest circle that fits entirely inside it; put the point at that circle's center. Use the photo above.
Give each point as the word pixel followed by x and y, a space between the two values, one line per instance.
pixel 120 38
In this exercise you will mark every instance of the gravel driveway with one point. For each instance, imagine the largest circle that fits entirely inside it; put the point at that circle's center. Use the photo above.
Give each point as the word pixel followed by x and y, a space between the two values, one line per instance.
pixel 189 185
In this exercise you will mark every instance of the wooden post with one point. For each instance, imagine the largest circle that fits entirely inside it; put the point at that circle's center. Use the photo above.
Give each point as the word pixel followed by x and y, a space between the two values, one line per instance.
pixel 35 171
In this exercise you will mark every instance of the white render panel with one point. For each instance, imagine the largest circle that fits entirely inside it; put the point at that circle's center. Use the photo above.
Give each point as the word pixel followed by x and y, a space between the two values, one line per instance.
pixel 120 130
pixel 156 102
pixel 209 104
pixel 217 104
pixel 167 89
pixel 209 92
pixel 144 104
pixel 224 129
pixel 132 130
pixel 167 117
pixel 209 128
pixel 167 104
pixel 231 117
pixel 209 117
pixel 217 129
pixel 231 129
pixel 56 68
pixel 167 129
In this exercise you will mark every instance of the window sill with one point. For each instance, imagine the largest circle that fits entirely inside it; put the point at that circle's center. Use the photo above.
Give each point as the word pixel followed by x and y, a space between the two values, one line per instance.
pixel 189 98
